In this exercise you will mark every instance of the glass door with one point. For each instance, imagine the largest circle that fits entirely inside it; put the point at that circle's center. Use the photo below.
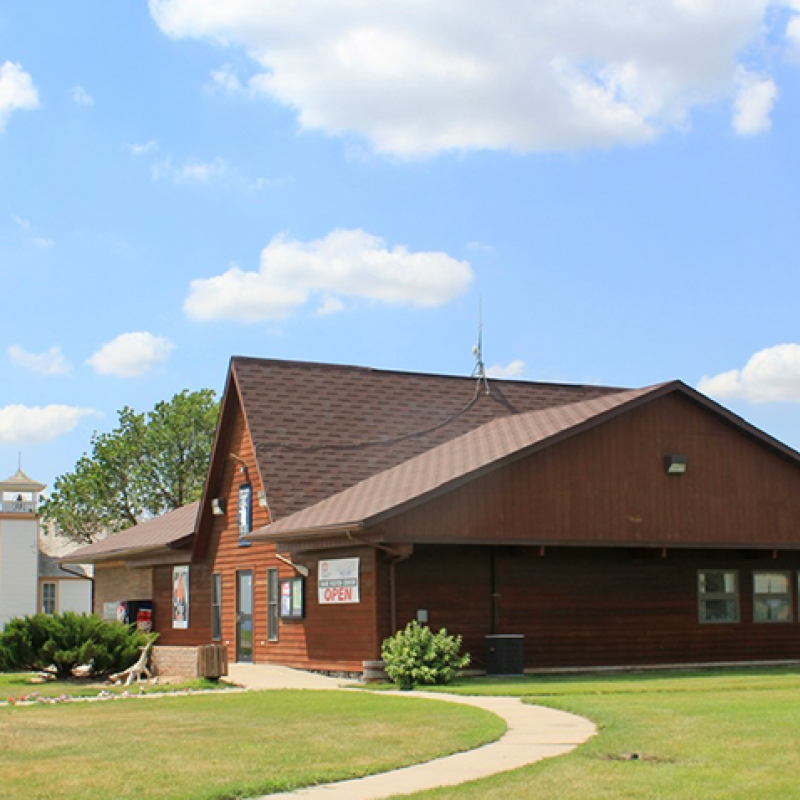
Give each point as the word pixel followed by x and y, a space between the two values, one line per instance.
pixel 244 616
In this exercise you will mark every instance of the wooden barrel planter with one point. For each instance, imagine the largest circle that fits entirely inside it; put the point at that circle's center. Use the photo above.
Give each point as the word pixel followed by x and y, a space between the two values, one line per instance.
pixel 374 672
pixel 212 661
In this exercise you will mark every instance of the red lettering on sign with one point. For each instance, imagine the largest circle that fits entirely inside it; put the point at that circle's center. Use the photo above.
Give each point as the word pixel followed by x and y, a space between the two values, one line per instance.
pixel 338 594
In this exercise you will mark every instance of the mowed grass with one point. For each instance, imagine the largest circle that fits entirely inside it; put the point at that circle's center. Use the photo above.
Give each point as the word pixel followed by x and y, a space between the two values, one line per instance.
pixel 14 685
pixel 703 736
pixel 227 745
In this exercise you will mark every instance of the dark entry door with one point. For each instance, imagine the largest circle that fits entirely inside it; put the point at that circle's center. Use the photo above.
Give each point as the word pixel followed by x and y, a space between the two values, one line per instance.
pixel 244 616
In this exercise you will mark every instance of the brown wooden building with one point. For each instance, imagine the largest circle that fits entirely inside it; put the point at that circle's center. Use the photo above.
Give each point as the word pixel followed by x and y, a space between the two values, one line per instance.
pixel 609 527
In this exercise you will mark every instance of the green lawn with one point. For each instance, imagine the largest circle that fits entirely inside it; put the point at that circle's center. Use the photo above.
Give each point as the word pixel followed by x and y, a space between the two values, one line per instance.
pixel 717 735
pixel 226 745
pixel 15 685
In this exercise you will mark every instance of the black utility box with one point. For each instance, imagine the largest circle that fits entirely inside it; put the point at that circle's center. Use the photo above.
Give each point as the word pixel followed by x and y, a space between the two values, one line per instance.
pixel 505 654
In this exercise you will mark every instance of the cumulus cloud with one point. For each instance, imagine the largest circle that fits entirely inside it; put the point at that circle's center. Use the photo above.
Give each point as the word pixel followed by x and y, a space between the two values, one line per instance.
pixel 131 354
pixel 35 424
pixel 753 104
pixel 511 370
pixel 416 79
pixel 770 376
pixel 50 362
pixel 17 92
pixel 81 97
pixel 345 262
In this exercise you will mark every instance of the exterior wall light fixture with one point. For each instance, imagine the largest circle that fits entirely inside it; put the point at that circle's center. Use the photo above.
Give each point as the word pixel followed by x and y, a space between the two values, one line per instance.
pixel 218 506
pixel 675 465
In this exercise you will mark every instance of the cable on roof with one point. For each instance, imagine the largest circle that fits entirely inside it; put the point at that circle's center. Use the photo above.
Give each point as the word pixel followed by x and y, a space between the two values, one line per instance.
pixel 379 442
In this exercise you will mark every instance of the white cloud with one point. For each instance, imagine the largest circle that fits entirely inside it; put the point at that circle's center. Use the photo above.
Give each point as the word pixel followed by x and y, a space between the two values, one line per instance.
pixel 143 148
pixel 131 354
pixel 51 362
pixel 36 424
pixel 81 97
pixel 25 225
pixel 346 262
pixel 17 91
pixel 417 79
pixel 190 171
pixel 480 247
pixel 793 30
pixel 753 104
pixel 329 305
pixel 770 376
pixel 511 370
pixel 226 78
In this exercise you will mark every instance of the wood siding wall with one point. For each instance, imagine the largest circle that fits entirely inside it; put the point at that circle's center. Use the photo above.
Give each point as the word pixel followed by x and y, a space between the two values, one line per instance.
pixel 609 486
pixel 199 630
pixel 331 637
pixel 587 607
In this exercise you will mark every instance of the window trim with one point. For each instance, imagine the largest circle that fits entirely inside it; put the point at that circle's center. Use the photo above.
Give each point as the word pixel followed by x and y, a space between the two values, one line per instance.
pixel 734 596
pixel 42 586
pixel 273 604
pixel 216 607
pixel 774 595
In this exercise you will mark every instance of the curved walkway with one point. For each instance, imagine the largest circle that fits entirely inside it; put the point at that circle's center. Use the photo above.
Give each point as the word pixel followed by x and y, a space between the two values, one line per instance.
pixel 534 733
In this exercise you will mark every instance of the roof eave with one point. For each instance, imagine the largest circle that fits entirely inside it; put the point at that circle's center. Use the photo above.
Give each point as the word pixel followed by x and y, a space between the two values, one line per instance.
pixel 263 534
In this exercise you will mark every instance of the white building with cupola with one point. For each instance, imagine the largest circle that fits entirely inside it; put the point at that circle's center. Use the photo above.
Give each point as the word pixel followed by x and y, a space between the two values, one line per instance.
pixel 31 579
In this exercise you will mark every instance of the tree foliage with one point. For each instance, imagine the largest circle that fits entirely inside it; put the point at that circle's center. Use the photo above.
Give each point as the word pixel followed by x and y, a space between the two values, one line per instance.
pixel 150 463
pixel 417 655
pixel 61 642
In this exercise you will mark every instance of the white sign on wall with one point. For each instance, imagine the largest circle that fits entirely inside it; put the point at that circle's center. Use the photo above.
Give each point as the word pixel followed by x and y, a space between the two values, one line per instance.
pixel 338 581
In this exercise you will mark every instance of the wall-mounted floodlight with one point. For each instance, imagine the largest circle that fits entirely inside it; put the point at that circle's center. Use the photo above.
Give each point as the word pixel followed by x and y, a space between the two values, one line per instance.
pixel 675 465
pixel 218 506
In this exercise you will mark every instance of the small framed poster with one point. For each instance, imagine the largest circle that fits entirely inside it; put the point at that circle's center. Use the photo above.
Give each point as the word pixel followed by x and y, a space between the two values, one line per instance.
pixel 292 593
pixel 180 597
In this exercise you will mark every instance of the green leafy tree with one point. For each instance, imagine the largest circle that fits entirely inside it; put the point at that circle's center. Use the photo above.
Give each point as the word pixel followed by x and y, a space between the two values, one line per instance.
pixel 150 463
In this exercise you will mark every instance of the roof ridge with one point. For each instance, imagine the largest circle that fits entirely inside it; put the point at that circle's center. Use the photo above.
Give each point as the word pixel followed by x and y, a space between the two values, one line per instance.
pixel 385 371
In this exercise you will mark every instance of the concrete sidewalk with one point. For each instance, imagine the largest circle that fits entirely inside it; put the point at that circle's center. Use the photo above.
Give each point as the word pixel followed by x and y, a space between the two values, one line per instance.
pixel 533 733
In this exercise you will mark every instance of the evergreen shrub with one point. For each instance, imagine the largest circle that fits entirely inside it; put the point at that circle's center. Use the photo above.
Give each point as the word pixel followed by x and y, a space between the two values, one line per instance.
pixel 61 642
pixel 418 656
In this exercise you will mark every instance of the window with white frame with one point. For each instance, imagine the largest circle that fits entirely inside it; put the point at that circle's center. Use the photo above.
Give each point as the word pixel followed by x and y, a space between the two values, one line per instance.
pixel 772 596
pixel 718 595
pixel 48 598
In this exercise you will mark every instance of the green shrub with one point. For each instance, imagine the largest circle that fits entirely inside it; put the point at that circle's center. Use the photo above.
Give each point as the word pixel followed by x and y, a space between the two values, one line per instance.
pixel 417 655
pixel 61 642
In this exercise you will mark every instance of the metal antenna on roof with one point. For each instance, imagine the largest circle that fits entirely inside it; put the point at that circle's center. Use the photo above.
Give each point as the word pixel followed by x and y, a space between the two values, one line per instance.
pixel 479 370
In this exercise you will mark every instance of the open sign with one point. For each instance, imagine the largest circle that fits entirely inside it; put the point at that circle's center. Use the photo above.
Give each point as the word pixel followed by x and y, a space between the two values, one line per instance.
pixel 338 581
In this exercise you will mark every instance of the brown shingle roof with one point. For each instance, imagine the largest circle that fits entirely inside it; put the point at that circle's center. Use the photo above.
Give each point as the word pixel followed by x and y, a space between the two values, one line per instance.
pixel 491 444
pixel 320 428
pixel 161 532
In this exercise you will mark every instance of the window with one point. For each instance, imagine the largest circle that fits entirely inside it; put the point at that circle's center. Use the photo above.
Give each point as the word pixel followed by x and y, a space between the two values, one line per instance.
pixel 718 592
pixel 772 597
pixel 216 607
pixel 273 589
pixel 245 512
pixel 292 596
pixel 48 598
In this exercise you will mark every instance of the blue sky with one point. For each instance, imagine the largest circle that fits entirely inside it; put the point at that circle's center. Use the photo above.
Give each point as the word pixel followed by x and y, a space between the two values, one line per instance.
pixel 342 181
